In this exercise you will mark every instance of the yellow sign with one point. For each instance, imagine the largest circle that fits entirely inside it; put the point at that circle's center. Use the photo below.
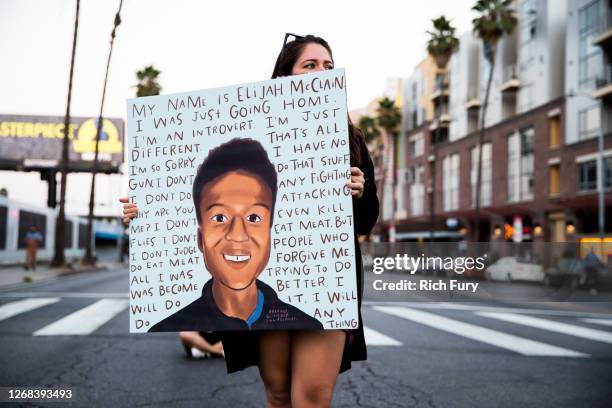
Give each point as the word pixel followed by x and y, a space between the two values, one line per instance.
pixel 86 137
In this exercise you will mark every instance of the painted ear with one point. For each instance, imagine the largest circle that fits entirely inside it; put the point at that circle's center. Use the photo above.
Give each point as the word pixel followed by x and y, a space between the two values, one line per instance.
pixel 200 240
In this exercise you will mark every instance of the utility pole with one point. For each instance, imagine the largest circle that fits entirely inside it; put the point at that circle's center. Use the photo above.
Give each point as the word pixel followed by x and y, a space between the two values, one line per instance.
pixel 58 256
pixel 89 258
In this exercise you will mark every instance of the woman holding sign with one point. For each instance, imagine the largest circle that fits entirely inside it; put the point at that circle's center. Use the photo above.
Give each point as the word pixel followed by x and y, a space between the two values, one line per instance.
pixel 300 367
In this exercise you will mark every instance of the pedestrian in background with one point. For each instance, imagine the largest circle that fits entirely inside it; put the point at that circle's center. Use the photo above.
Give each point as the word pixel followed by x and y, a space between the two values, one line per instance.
pixel 33 239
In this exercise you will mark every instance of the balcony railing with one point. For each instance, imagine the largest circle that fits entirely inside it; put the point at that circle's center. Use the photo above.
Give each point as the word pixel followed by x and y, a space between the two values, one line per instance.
pixel 473 98
pixel 510 73
pixel 603 30
pixel 603 83
pixel 440 89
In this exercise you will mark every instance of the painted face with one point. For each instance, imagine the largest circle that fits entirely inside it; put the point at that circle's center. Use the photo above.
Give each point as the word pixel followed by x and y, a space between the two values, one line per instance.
pixel 234 234
pixel 314 58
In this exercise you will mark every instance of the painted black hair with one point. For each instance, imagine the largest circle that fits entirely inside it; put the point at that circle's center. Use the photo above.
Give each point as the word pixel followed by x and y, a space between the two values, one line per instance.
pixel 245 155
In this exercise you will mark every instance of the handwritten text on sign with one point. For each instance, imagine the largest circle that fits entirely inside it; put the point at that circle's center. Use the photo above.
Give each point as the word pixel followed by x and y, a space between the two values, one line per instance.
pixel 301 122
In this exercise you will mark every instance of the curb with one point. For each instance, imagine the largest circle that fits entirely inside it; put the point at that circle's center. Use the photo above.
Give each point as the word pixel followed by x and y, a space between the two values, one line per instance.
pixel 68 273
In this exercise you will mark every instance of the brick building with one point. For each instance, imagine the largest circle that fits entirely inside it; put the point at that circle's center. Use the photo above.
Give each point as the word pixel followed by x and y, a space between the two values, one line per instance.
pixel 550 106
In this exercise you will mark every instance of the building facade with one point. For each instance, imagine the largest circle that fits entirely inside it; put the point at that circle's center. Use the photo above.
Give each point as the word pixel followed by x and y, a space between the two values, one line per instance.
pixel 549 117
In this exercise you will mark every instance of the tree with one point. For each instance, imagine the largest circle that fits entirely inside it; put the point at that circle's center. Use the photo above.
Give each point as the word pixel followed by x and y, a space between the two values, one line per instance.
pixel 148 85
pixel 89 258
pixel 58 256
pixel 441 45
pixel 367 124
pixel 442 42
pixel 388 119
pixel 496 18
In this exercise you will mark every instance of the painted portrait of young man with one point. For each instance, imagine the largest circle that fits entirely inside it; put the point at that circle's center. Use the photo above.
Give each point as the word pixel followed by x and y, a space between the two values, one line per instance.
pixel 234 193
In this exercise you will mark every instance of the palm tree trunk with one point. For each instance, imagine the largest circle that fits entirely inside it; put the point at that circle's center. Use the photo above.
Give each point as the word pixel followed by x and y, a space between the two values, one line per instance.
pixel 89 258
pixel 58 256
pixel 480 142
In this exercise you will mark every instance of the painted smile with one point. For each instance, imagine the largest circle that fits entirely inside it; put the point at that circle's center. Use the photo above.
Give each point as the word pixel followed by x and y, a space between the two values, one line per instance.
pixel 236 258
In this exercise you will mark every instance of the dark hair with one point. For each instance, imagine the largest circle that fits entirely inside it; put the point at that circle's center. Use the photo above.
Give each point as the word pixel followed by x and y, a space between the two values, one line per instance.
pixel 287 58
pixel 246 155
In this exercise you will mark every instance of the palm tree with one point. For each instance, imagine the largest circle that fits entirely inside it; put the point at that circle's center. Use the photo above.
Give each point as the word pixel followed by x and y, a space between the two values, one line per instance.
pixel 89 258
pixel 441 45
pixel 367 124
pixel 388 119
pixel 442 42
pixel 496 18
pixel 148 85
pixel 58 256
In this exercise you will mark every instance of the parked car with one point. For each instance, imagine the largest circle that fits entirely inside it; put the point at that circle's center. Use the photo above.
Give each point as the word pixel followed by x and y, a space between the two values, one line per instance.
pixel 570 271
pixel 510 268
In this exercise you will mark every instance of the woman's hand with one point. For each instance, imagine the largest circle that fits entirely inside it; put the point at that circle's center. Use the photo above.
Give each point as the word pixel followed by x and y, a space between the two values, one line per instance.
pixel 357 182
pixel 129 210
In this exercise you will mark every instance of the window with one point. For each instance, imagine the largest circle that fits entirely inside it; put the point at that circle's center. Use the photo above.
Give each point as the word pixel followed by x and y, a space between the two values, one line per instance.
pixel 590 60
pixel 527 21
pixel 450 187
pixel 554 178
pixel 3 225
pixel 608 172
pixel 520 165
pixel 486 176
pixel 588 122
pixel 525 98
pixel 417 192
pixel 554 132
pixel 587 176
pixel 416 145
pixel 27 220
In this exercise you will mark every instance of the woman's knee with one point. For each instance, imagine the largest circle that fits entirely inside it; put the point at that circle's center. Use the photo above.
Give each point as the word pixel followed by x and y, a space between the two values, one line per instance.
pixel 278 389
pixel 313 394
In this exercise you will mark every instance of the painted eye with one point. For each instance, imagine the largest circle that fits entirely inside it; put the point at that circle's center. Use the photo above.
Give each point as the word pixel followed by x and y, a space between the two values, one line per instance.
pixel 254 218
pixel 218 218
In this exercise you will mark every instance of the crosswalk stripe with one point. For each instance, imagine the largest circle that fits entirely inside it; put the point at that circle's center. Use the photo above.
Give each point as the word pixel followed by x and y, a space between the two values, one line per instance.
pixel 22 306
pixel 603 322
pixel 558 327
pixel 376 338
pixel 493 337
pixel 86 320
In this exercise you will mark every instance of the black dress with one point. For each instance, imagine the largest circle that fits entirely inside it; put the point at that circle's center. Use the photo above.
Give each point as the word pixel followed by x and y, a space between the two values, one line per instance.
pixel 242 347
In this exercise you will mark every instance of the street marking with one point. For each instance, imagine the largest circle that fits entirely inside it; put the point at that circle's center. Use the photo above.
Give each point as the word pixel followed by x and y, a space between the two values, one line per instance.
pixel 376 338
pixel 77 295
pixel 86 320
pixel 495 338
pixel 459 306
pixel 22 306
pixel 558 327
pixel 604 322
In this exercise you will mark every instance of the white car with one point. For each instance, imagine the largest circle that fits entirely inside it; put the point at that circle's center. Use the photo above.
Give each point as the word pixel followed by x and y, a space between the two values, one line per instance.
pixel 510 268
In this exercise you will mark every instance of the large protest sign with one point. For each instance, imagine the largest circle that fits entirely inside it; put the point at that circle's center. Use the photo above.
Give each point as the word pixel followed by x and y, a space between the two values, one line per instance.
pixel 245 219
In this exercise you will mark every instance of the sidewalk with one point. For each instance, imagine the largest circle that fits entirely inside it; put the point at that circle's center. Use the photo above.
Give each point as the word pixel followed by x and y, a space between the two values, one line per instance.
pixel 16 275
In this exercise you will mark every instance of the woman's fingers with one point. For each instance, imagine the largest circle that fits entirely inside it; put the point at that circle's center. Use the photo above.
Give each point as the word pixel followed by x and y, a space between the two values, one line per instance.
pixel 123 200
pixel 356 171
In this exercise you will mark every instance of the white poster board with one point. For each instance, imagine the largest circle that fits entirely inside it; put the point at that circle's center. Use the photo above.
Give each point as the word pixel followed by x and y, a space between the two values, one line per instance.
pixel 308 263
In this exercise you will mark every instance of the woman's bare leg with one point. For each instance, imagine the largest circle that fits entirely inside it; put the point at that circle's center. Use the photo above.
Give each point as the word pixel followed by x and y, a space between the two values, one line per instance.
pixel 193 339
pixel 275 367
pixel 315 363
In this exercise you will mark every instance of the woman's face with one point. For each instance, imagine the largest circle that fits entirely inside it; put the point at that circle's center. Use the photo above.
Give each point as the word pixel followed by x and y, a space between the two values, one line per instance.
pixel 314 58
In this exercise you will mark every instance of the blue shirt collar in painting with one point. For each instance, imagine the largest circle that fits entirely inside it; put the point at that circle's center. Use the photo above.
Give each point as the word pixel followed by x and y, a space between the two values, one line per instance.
pixel 257 312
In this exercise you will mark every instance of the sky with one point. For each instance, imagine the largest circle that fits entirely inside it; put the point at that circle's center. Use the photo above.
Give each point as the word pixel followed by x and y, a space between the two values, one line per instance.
pixel 197 45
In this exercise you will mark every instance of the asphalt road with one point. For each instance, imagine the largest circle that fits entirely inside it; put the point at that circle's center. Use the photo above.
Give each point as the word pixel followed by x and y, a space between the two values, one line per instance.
pixel 422 354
